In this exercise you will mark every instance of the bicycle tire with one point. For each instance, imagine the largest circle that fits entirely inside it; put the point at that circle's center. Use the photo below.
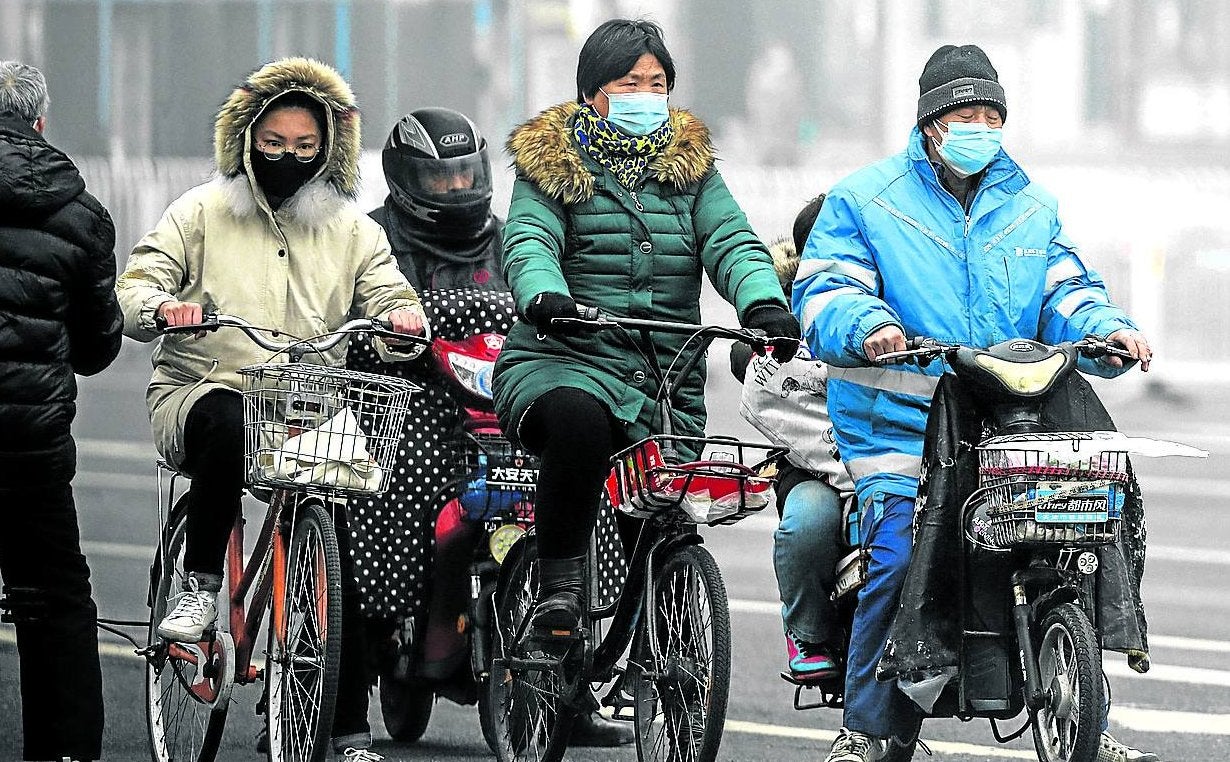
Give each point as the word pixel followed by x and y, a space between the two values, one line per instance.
pixel 311 643
pixel 683 683
pixel 1067 728
pixel 524 713
pixel 406 707
pixel 169 700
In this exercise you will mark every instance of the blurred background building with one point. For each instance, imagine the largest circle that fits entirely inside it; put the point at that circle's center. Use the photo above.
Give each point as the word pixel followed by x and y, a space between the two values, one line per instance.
pixel 1120 107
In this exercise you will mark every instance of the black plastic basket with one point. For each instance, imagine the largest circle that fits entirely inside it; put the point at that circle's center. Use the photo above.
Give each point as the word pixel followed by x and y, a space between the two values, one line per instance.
pixel 498 480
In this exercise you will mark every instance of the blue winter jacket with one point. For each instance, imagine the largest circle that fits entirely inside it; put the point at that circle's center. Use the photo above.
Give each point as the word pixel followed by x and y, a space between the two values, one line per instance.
pixel 893 246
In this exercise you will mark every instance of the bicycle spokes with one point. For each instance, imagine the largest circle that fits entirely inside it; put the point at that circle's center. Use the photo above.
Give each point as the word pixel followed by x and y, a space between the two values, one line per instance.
pixel 303 660
pixel 681 690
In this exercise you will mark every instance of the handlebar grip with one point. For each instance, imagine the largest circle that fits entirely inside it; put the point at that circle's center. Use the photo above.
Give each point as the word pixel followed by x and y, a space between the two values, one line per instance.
pixel 209 322
pixel 382 324
pixel 587 313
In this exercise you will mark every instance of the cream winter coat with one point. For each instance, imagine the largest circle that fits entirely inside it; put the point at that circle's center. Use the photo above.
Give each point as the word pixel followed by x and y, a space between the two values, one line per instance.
pixel 303 269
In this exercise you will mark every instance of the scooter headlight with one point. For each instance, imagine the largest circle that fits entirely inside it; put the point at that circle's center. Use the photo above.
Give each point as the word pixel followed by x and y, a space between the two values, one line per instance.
pixel 472 373
pixel 1023 377
pixel 502 540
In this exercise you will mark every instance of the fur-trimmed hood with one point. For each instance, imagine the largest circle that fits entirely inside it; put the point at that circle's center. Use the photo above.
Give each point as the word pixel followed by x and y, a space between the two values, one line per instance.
pixel 233 127
pixel 785 262
pixel 544 151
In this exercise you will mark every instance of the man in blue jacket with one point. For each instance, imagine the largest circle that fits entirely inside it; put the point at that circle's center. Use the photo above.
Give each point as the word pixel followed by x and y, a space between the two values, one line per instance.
pixel 948 239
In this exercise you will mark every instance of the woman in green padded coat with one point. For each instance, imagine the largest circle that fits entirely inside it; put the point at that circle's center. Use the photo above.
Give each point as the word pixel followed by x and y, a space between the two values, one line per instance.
pixel 617 205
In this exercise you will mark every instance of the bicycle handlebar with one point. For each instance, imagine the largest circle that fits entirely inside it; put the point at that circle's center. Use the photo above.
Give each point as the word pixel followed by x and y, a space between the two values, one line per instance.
pixel 213 321
pixel 924 349
pixel 592 317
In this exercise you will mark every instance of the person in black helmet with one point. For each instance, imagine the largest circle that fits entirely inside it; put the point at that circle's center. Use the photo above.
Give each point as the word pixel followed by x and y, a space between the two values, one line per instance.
pixel 438 212
pixel 444 235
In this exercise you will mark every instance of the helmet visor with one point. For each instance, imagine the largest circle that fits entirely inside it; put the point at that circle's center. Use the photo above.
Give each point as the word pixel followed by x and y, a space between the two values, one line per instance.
pixel 459 180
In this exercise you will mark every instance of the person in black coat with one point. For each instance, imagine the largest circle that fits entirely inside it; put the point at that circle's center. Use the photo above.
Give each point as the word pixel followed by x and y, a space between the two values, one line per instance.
pixel 438 212
pixel 58 317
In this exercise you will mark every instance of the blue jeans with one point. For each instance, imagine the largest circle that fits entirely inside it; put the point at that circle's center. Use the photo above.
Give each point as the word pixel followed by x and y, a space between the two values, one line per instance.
pixel 805 554
pixel 873 707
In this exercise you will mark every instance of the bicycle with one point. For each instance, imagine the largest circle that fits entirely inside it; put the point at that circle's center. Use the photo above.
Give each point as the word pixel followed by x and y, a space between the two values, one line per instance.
pixel 672 610
pixel 314 436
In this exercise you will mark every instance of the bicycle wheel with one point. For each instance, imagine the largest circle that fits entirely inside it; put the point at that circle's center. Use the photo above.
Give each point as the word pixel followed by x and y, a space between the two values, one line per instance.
pixel 525 701
pixel 684 680
pixel 1067 727
pixel 305 649
pixel 187 685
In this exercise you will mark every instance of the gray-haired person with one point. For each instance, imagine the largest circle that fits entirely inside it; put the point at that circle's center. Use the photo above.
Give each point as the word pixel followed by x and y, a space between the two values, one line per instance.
pixel 58 317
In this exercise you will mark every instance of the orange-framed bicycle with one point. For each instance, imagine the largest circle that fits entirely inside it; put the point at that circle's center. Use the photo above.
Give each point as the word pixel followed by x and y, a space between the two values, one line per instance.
pixel 314 436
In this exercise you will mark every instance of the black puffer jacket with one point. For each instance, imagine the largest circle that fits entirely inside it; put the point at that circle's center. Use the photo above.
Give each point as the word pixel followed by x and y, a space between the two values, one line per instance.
pixel 58 311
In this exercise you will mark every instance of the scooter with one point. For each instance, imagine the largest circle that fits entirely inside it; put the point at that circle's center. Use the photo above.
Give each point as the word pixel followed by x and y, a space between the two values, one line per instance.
pixel 1035 513
pixel 483 503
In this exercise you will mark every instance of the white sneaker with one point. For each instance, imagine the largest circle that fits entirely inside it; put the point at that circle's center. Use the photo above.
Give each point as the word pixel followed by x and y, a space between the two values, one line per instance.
pixel 192 612
pixel 1110 750
pixel 853 746
pixel 352 754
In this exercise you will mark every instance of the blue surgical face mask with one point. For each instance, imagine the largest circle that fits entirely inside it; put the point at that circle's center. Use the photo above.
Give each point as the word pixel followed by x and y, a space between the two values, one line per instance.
pixel 638 113
pixel 968 147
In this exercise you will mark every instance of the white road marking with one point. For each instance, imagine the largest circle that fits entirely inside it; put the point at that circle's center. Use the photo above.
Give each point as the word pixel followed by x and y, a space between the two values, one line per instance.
pixel 1174 642
pixel 119 482
pixel 145 553
pixel 118 449
pixel 1164 721
pixel 1169 674
pixel 815 734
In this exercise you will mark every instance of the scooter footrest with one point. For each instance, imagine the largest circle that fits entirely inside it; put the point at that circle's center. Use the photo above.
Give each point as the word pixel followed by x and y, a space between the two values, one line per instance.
pixel 829 689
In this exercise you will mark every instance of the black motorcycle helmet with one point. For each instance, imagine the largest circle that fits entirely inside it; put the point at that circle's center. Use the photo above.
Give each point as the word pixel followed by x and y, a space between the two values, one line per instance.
pixel 437 169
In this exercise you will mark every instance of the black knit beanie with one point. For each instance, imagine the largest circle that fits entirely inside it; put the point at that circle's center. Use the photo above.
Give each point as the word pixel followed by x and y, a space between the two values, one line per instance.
pixel 957 76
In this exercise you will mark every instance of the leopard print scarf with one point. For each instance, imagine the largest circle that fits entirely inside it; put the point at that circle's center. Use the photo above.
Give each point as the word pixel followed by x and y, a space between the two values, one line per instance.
pixel 626 156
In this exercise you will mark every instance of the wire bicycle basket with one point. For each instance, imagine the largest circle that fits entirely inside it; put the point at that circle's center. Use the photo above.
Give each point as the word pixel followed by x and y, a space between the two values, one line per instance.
pixel 321 428
pixel 731 481
pixel 1051 496
pixel 498 479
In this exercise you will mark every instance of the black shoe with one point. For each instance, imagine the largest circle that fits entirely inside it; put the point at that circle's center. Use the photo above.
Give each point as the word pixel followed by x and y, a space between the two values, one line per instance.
pixel 558 610
pixel 262 741
pixel 594 730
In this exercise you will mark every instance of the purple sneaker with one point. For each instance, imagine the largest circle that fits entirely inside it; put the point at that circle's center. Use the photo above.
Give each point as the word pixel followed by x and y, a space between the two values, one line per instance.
pixel 808 661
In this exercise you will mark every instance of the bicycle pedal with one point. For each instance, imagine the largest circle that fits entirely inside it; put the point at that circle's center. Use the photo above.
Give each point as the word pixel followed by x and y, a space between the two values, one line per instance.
pixel 558 637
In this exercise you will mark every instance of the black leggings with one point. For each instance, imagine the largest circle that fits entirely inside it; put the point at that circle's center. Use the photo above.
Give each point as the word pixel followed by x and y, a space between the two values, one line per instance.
pixel 574 435
pixel 213 440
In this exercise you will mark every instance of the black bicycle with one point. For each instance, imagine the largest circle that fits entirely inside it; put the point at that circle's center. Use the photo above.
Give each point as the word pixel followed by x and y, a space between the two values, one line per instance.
pixel 672 610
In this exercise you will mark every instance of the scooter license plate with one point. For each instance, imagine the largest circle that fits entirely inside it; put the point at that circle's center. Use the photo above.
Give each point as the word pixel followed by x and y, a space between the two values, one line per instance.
pixel 511 474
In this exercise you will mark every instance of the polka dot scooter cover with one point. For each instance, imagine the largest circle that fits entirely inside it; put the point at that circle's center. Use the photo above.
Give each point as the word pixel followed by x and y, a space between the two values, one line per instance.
pixel 392 534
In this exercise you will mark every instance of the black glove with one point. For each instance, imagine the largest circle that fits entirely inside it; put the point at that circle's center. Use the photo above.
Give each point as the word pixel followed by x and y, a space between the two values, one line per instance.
pixel 740 357
pixel 547 305
pixel 775 320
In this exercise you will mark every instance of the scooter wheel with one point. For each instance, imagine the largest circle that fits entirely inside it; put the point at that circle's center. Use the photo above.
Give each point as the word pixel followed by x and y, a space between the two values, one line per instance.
pixel 406 707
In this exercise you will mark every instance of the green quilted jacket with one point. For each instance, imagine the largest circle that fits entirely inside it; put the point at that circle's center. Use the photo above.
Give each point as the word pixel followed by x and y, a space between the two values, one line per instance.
pixel 573 229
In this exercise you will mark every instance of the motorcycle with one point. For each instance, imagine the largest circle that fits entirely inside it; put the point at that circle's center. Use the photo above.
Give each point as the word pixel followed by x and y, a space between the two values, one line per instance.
pixel 1031 529
pixel 473 493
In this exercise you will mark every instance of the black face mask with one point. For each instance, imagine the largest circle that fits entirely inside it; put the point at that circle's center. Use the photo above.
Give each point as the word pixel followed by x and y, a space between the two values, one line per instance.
pixel 281 179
